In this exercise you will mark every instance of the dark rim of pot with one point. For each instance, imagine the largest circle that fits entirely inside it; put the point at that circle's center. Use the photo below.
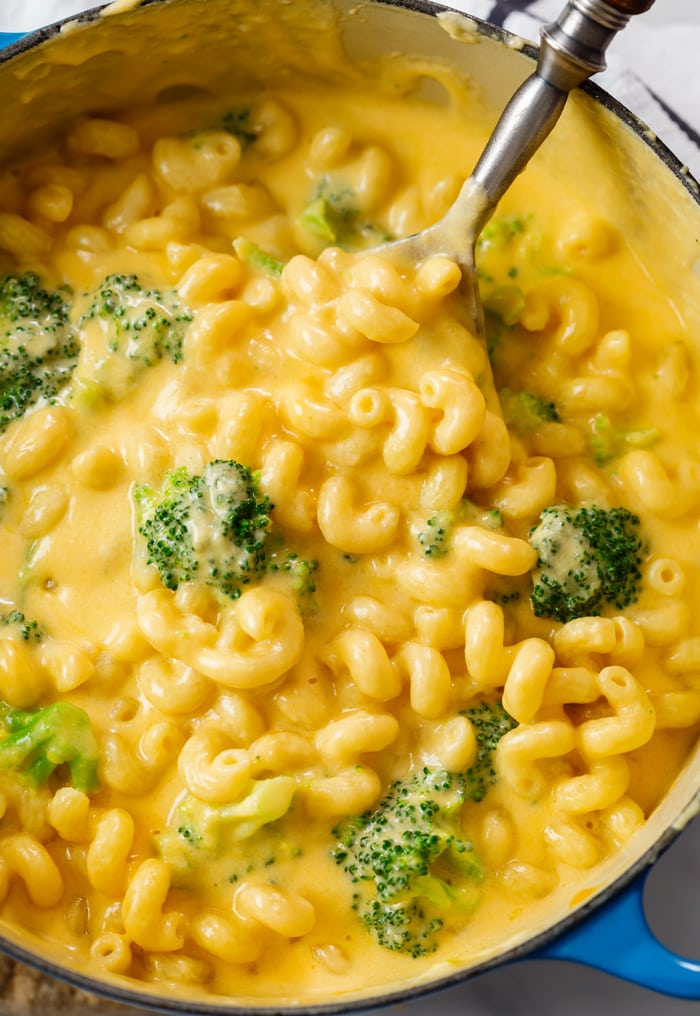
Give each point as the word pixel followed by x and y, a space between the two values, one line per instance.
pixel 380 998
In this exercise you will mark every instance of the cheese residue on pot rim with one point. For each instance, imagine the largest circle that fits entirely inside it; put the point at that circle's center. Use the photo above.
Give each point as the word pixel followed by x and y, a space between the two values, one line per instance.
pixel 120 7
pixel 459 26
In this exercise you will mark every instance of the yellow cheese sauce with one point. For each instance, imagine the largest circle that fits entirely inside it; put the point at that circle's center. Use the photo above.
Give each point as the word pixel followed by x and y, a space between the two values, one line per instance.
pixel 210 257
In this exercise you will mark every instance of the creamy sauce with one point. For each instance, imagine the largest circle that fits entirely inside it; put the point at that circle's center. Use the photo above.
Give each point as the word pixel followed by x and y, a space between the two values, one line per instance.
pixel 369 411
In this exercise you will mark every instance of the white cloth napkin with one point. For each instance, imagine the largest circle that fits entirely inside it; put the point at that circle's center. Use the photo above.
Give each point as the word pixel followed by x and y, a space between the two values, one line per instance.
pixel 653 65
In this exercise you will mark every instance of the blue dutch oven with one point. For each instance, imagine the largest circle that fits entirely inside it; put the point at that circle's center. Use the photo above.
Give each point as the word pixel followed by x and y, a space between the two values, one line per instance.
pixel 610 931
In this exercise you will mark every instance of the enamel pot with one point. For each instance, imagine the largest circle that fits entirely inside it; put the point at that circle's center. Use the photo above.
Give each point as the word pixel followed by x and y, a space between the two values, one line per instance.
pixel 136 52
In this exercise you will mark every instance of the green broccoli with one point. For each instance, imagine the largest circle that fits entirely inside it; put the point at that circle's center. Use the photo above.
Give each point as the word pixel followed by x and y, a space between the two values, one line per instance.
pixel 435 533
pixel 410 862
pixel 139 327
pixel 408 858
pixel 525 412
pixel 212 528
pixel 29 631
pixel 38 742
pixel 503 306
pixel 256 257
pixel 501 231
pixel 333 218
pixel 490 721
pixel 199 830
pixel 505 591
pixel 301 573
pixel 145 324
pixel 434 537
pixel 609 441
pixel 587 559
pixel 238 122
pixel 38 345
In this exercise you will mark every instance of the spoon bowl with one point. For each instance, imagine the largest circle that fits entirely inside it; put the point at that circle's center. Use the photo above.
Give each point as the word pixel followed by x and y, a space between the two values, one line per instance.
pixel 572 49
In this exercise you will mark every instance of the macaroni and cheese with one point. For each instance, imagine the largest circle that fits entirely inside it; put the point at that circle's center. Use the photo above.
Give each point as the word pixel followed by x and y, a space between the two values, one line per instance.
pixel 282 716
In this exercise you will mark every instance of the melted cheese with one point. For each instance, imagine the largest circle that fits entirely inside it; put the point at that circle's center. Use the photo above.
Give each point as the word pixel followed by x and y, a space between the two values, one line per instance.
pixel 352 386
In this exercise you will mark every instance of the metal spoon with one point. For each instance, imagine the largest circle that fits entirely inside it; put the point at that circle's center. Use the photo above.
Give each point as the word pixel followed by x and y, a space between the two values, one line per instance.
pixel 572 49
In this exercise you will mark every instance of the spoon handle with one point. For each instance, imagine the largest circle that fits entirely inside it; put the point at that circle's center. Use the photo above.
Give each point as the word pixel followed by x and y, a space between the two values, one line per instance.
pixel 572 49
pixel 631 6
pixel 573 46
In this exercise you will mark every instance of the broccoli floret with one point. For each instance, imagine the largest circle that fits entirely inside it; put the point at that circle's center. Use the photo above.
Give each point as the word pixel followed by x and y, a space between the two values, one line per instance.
pixel 435 533
pixel 490 721
pixel 197 830
pixel 40 741
pixel 609 441
pixel 145 324
pixel 29 631
pixel 434 537
pixel 587 559
pixel 525 412
pixel 333 217
pixel 211 528
pixel 38 346
pixel 410 861
pixel 139 327
pixel 266 801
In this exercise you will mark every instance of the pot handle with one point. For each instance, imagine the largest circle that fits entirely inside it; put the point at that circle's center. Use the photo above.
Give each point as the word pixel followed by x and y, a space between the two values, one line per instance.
pixel 617 939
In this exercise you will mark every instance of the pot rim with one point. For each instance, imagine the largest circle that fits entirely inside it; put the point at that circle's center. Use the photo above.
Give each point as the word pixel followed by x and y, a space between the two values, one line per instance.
pixel 26 41
pixel 139 995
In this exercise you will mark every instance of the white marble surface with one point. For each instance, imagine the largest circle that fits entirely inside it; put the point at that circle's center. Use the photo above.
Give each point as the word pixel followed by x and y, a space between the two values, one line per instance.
pixel 663 48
